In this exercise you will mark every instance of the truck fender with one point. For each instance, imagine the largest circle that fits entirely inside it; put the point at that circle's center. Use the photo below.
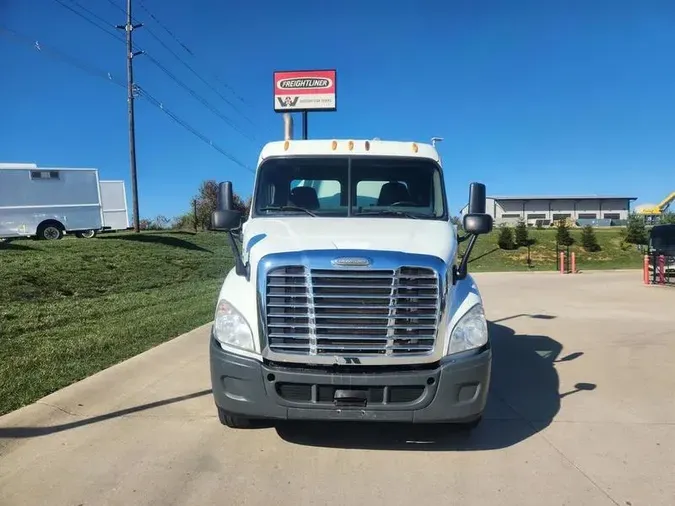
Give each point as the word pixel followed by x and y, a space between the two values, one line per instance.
pixel 463 297
pixel 241 294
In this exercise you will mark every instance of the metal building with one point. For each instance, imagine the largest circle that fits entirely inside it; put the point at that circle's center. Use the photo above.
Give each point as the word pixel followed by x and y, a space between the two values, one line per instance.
pixel 596 209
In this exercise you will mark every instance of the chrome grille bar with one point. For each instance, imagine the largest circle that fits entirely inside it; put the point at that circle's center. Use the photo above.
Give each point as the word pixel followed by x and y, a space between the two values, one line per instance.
pixel 357 312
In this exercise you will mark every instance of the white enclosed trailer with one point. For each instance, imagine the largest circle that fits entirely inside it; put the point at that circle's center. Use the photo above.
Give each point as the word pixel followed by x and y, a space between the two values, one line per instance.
pixel 114 202
pixel 48 202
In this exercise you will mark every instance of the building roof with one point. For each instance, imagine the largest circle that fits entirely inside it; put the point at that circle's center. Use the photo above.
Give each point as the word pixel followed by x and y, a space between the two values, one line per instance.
pixel 562 197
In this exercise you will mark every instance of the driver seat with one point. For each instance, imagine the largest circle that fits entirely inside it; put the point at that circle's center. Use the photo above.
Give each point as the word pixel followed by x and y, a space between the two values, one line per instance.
pixel 305 197
pixel 391 192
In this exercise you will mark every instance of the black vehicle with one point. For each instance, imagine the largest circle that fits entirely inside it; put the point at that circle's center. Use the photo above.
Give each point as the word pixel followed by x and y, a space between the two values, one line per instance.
pixel 662 242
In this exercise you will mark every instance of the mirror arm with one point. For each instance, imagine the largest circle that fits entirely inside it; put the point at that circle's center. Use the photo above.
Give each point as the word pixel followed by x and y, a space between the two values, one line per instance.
pixel 460 272
pixel 239 267
pixel 461 239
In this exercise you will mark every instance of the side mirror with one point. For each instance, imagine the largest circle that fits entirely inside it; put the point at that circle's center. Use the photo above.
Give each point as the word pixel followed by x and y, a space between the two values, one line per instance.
pixel 226 220
pixel 225 217
pixel 476 221
pixel 477 224
pixel 476 198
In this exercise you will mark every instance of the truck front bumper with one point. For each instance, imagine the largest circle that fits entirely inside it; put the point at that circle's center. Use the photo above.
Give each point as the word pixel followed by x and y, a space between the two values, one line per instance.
pixel 453 391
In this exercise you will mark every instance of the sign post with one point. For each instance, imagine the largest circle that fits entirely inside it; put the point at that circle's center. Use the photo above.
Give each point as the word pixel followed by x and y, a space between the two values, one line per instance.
pixel 304 91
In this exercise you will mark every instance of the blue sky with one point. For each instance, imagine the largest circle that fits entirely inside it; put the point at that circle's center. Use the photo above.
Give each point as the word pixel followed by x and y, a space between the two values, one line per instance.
pixel 531 97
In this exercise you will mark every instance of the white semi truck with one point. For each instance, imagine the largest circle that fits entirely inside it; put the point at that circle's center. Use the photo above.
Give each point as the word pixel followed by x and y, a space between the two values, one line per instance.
pixel 348 300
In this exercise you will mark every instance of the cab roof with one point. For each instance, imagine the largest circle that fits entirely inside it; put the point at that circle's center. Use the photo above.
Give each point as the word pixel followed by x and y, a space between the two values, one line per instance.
pixel 343 147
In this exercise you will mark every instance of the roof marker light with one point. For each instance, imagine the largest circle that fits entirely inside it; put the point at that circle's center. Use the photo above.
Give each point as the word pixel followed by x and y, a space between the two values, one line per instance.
pixel 286 144
pixel 333 145
pixel 367 146
pixel 415 148
pixel 351 145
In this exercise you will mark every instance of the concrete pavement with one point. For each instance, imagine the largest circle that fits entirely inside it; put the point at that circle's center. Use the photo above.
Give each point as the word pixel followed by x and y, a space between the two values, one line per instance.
pixel 581 412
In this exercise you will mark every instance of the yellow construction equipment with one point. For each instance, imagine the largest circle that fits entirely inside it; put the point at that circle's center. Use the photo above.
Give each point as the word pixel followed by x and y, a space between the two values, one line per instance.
pixel 658 209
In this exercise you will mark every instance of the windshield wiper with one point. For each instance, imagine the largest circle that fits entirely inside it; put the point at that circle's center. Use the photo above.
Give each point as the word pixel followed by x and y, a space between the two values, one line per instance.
pixel 287 208
pixel 389 212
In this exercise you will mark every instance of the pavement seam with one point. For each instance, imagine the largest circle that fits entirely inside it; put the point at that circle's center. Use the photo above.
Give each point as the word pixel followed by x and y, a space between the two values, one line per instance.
pixel 565 457
pixel 54 406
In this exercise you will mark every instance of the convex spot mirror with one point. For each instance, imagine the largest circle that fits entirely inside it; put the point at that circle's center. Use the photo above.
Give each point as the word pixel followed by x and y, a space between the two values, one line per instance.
pixel 226 220
pixel 477 224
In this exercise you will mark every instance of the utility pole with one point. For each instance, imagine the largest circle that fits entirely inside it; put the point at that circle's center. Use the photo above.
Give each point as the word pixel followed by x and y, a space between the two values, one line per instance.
pixel 128 27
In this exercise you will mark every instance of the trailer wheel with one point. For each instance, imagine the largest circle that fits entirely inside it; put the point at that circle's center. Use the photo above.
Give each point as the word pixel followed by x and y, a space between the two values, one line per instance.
pixel 50 231
pixel 86 234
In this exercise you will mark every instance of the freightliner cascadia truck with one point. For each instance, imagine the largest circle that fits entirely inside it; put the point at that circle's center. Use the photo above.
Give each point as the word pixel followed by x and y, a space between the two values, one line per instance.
pixel 348 299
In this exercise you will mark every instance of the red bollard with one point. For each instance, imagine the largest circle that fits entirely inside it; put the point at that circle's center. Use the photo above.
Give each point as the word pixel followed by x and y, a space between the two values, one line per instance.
pixel 662 269
pixel 645 270
pixel 562 262
pixel 574 262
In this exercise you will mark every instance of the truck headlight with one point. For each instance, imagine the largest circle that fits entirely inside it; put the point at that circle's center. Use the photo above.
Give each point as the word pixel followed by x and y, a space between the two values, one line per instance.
pixel 471 331
pixel 230 327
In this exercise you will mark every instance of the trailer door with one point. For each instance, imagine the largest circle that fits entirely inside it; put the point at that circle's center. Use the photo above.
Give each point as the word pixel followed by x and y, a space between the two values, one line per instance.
pixel 114 203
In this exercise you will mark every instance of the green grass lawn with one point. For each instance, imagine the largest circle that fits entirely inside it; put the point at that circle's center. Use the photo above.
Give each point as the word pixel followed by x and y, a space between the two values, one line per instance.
pixel 487 256
pixel 73 307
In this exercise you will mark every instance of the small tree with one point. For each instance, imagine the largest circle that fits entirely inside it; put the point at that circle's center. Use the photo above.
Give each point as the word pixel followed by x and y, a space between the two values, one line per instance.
pixel 636 232
pixel 667 218
pixel 563 236
pixel 505 240
pixel 588 239
pixel 522 234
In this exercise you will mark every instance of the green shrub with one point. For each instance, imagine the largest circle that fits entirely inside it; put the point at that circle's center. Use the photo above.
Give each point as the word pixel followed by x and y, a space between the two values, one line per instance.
pixel 505 240
pixel 588 239
pixel 522 234
pixel 563 236
pixel 636 231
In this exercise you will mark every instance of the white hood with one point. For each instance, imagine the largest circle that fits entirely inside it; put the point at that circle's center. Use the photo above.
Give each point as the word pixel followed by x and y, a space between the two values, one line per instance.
pixel 263 236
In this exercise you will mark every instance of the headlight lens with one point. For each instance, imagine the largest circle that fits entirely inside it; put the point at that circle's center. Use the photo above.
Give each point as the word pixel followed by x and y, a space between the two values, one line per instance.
pixel 230 327
pixel 470 332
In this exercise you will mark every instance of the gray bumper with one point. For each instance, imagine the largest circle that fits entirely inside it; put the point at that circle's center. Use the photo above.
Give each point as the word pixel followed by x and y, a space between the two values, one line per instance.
pixel 453 391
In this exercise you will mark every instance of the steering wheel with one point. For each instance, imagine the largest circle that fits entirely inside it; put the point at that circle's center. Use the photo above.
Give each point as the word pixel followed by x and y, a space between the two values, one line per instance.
pixel 403 203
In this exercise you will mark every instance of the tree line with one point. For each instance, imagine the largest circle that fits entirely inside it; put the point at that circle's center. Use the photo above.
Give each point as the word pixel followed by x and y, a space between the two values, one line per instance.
pixel 202 204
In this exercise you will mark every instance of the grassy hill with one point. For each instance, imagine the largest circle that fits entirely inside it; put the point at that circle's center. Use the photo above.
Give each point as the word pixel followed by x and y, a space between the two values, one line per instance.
pixel 73 307
pixel 613 254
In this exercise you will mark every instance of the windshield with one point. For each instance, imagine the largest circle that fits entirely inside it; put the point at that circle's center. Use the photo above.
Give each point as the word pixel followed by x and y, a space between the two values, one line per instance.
pixel 380 186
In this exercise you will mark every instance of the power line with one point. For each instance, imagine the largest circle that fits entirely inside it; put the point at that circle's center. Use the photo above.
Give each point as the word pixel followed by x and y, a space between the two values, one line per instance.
pixel 88 20
pixel 189 128
pixel 89 69
pixel 198 97
pixel 166 71
pixel 191 69
pixel 108 77
pixel 187 49
pixel 187 65
pixel 173 36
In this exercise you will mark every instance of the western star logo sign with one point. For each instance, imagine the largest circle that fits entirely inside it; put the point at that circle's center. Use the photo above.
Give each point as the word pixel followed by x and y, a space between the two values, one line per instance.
pixel 304 83
pixel 305 90
pixel 287 101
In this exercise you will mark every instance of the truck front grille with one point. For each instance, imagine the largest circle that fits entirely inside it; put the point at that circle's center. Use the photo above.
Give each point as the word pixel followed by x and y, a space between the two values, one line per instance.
pixel 352 312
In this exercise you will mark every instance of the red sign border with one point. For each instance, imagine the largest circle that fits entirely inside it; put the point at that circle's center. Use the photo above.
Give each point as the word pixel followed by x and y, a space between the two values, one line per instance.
pixel 274 89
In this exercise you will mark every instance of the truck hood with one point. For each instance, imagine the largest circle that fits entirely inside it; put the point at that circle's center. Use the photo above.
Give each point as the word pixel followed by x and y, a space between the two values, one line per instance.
pixel 263 236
